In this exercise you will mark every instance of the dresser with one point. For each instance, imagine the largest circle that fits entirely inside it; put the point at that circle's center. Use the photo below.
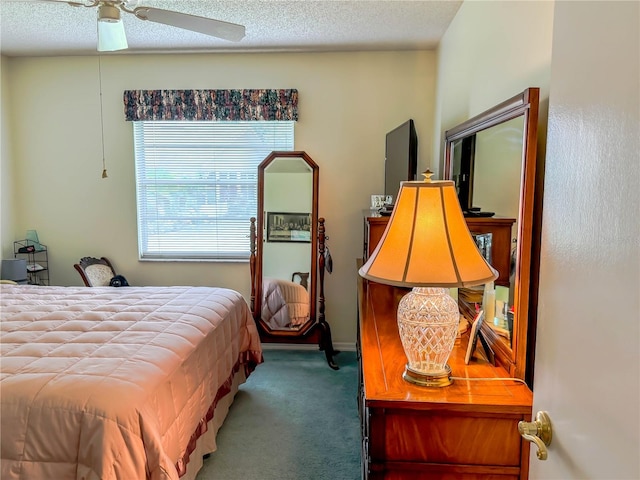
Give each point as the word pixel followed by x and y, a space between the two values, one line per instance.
pixel 468 430
pixel 374 225
pixel 499 228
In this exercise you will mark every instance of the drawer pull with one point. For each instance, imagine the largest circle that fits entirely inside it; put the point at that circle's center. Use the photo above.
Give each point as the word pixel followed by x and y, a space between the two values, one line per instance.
pixel 538 432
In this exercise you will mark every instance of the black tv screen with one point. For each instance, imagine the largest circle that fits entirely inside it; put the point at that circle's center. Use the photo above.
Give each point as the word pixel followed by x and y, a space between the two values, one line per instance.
pixel 401 157
pixel 462 166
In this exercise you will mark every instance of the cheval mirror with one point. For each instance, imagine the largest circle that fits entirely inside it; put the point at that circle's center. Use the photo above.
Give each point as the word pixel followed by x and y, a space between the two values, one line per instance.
pixel 492 160
pixel 288 254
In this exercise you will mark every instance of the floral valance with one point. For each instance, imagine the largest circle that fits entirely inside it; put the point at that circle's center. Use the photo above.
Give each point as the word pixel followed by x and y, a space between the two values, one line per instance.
pixel 140 105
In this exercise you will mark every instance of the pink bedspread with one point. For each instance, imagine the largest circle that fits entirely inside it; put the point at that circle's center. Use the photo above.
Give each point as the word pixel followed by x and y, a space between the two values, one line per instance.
pixel 114 383
pixel 285 304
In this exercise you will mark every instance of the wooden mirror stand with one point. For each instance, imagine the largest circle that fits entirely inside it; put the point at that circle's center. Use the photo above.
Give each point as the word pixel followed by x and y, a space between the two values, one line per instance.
pixel 289 255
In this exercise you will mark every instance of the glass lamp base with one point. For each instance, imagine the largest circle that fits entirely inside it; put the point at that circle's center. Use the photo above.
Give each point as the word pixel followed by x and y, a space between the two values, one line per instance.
pixel 435 379
pixel 428 320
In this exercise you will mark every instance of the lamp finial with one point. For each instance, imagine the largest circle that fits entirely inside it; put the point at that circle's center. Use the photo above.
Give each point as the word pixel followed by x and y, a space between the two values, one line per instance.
pixel 427 175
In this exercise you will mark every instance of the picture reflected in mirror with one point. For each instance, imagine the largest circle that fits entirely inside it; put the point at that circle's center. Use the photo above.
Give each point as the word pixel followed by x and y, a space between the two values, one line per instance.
pixel 288 227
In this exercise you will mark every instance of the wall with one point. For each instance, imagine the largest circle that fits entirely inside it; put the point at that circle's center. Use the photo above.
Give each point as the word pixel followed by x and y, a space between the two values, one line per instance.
pixel 588 346
pixel 348 101
pixel 491 52
pixel 6 166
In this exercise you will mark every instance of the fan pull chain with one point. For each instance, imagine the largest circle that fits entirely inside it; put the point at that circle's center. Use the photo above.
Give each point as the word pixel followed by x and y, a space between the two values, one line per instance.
pixel 104 163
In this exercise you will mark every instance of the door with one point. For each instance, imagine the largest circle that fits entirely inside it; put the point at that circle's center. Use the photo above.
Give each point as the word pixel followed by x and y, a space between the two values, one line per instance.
pixel 587 373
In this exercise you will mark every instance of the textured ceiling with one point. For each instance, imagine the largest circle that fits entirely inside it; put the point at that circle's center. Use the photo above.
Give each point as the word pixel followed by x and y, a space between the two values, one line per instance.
pixel 35 27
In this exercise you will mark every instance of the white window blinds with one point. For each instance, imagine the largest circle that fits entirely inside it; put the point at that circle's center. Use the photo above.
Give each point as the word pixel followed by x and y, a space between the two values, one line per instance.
pixel 197 185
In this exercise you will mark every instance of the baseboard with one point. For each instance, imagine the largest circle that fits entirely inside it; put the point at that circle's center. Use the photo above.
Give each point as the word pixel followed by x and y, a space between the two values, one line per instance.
pixel 342 347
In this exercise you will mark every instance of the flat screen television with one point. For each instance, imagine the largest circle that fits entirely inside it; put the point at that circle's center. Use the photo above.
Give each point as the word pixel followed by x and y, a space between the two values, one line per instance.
pixel 462 167
pixel 401 157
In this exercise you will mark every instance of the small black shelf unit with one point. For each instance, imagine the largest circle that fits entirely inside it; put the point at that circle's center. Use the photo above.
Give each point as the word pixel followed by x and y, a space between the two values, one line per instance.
pixel 37 258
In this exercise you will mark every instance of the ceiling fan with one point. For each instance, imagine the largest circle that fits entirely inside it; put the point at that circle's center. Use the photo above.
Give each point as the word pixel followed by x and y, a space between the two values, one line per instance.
pixel 111 35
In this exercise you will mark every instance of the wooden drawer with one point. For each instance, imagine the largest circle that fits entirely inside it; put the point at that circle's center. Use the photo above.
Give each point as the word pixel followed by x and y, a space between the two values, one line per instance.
pixel 443 472
pixel 434 437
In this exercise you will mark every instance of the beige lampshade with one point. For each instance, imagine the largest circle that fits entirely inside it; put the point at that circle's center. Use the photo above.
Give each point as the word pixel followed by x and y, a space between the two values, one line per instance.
pixel 427 242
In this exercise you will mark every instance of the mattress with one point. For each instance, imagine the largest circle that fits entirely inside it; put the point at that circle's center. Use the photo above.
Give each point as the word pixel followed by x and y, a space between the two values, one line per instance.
pixel 116 383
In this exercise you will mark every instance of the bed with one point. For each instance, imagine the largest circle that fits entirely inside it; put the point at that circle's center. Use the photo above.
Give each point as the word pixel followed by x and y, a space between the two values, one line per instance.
pixel 118 383
pixel 285 305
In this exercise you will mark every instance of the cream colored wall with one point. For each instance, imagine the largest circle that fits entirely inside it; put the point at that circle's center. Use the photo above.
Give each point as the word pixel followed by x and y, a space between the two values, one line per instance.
pixel 348 101
pixel 492 51
pixel 588 344
pixel 6 166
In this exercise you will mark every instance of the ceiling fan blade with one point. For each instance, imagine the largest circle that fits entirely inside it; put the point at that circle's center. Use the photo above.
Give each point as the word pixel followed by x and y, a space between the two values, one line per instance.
pixel 208 26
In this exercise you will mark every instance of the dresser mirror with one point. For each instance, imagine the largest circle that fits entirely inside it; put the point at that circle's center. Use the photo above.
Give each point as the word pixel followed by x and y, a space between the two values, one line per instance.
pixel 492 159
pixel 288 253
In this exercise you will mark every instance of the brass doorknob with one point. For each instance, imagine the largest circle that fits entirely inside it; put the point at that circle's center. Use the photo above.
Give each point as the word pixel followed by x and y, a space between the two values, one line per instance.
pixel 538 432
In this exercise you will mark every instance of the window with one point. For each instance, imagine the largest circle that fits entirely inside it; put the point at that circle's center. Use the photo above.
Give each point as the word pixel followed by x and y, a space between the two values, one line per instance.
pixel 197 185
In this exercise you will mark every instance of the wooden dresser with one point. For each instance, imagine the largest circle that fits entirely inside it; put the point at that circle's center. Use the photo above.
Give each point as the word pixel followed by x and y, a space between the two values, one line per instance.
pixel 468 430
pixel 374 225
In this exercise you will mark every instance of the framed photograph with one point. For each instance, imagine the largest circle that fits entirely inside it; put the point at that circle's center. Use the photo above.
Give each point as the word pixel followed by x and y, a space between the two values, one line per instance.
pixel 483 241
pixel 473 336
pixel 288 227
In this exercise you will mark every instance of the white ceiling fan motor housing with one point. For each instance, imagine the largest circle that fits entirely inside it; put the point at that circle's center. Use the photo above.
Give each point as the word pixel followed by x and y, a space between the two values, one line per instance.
pixel 108 13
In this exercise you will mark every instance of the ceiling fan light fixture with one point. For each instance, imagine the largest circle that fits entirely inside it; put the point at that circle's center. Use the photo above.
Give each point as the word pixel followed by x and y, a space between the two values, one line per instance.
pixel 111 36
pixel 108 13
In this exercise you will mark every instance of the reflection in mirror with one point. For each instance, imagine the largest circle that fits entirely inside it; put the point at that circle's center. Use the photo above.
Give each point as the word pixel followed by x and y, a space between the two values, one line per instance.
pixel 493 165
pixel 497 186
pixel 287 254
pixel 492 160
pixel 487 167
pixel 498 160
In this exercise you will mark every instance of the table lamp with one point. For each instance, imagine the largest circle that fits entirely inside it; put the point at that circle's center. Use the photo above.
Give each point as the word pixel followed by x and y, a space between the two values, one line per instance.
pixel 427 245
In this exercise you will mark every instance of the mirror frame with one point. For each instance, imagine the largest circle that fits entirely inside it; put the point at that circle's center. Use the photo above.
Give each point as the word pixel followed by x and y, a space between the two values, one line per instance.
pixel 517 358
pixel 266 333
